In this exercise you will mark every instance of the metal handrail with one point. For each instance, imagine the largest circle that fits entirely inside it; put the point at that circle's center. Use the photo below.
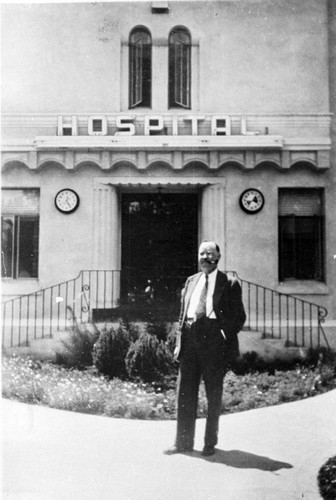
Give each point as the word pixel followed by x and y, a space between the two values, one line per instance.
pixel 278 315
pixel 42 313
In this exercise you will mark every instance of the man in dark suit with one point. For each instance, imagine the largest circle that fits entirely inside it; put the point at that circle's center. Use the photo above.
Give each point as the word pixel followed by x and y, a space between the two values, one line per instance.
pixel 212 314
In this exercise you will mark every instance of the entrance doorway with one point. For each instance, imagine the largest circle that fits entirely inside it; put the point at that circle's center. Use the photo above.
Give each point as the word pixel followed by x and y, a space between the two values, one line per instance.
pixel 159 247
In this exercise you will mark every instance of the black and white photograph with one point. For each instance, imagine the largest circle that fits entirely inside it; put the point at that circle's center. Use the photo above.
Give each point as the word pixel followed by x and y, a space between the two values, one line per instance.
pixel 168 250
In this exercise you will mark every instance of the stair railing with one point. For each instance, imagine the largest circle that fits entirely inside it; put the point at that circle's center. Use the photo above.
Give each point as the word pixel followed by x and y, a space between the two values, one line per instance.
pixel 40 314
pixel 283 316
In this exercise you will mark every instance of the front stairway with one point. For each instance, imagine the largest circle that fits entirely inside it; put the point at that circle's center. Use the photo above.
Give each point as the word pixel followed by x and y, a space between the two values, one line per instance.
pixel 276 323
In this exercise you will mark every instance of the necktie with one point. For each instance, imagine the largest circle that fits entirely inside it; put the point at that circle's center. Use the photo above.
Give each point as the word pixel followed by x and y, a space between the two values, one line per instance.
pixel 201 306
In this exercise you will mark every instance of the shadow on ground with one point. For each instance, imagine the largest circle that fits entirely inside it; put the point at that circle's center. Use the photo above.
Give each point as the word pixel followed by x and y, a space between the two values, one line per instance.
pixel 244 460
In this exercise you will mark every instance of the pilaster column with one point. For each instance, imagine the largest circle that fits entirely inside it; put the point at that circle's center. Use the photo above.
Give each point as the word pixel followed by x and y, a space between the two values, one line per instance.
pixel 213 217
pixel 106 243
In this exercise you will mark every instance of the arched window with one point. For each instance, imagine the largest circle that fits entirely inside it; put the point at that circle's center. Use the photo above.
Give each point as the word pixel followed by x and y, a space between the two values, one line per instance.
pixel 179 68
pixel 140 68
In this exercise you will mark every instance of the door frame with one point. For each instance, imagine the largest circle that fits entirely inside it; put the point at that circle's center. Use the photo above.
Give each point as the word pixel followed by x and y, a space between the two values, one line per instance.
pixel 106 213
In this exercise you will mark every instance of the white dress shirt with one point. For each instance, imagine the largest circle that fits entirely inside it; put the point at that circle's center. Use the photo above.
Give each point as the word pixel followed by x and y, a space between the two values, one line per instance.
pixel 197 293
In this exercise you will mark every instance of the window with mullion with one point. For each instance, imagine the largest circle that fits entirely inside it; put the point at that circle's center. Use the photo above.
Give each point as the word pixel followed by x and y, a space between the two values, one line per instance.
pixel 140 68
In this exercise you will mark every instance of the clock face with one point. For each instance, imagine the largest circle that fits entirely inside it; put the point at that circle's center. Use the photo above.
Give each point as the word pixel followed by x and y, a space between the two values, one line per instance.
pixel 251 201
pixel 67 201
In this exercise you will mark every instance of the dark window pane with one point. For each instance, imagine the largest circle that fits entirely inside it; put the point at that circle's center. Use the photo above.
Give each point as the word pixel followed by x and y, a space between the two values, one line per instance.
pixel 287 248
pixel 27 247
pixel 7 247
pixel 140 69
pixel 146 75
pixel 301 247
pixel 179 69
pixel 97 125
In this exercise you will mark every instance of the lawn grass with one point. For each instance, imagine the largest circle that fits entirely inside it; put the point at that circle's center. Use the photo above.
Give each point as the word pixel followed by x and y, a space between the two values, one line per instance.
pixel 87 391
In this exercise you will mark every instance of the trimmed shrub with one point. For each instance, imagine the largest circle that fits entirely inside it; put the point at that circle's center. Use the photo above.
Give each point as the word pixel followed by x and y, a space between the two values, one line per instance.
pixel 157 328
pixel 109 352
pixel 130 328
pixel 327 479
pixel 149 359
pixel 77 345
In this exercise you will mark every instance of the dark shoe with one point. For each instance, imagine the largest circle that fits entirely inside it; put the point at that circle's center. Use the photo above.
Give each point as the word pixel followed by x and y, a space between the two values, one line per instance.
pixel 176 449
pixel 208 451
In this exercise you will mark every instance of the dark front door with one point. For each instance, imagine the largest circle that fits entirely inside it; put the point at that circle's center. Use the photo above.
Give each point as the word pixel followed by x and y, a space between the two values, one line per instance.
pixel 159 246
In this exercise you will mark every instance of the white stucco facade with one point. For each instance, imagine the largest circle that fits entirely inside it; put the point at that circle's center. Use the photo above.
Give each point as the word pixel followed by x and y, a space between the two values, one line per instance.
pixel 265 68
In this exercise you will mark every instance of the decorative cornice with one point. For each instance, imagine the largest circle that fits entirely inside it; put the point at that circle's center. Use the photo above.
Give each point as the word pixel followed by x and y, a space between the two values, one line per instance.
pixel 213 158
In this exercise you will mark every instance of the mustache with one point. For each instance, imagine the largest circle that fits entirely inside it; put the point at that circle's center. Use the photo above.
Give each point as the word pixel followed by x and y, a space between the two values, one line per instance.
pixel 208 261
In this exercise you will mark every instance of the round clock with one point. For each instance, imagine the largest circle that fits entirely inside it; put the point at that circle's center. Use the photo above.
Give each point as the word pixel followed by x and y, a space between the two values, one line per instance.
pixel 251 201
pixel 67 201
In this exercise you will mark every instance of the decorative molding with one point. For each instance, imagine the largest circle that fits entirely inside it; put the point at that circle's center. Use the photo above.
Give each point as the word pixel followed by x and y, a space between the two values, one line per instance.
pixel 307 143
pixel 176 160
pixel 232 156
pixel 160 142
pixel 157 156
pixel 214 160
pixel 195 156
pixel 102 182
pixel 249 160
pixel 272 157
pixel 15 156
pixel 299 156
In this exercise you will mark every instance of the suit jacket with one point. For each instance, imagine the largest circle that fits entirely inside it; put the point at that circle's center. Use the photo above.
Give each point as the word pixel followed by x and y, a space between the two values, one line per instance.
pixel 228 307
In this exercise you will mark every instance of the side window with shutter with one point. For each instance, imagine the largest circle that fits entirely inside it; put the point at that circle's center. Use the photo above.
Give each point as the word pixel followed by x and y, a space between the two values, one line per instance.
pixel 140 68
pixel 301 234
pixel 179 85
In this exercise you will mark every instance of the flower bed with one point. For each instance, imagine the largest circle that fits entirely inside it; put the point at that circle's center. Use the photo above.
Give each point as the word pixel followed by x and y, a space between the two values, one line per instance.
pixel 90 392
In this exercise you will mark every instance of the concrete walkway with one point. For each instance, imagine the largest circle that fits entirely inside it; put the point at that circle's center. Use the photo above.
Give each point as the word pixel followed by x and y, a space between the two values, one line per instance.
pixel 268 454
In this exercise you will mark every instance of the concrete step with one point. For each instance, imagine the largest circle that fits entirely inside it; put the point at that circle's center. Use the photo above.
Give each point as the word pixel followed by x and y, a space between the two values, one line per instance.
pixel 270 349
pixel 62 346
